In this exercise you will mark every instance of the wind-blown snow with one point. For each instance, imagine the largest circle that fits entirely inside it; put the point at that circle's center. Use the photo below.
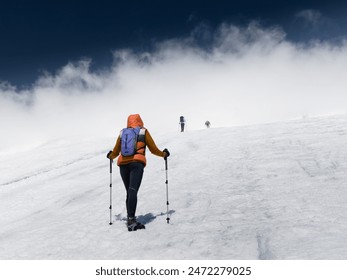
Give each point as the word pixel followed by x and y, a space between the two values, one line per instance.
pixel 231 75
pixel 271 191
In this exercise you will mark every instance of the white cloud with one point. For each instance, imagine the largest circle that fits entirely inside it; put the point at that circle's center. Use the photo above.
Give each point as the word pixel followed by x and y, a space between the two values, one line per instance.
pixel 248 75
pixel 311 16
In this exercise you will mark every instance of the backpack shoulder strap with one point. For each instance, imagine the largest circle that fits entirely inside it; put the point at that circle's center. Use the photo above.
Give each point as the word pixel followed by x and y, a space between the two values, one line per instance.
pixel 142 135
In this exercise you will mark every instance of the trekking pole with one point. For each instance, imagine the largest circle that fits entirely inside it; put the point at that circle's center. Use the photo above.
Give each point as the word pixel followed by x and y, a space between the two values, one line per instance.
pixel 167 192
pixel 110 191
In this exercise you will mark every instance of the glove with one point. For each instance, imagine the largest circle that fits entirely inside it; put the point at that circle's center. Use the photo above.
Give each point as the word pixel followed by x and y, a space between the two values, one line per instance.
pixel 167 153
pixel 108 154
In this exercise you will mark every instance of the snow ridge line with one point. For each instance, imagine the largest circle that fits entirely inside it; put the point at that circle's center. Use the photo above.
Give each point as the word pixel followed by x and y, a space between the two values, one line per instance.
pixel 38 173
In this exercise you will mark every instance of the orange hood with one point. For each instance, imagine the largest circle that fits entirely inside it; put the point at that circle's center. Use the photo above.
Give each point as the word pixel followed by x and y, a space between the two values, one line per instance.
pixel 134 121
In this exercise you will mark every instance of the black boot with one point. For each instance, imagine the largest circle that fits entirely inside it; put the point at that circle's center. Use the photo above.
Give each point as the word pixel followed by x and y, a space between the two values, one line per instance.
pixel 134 225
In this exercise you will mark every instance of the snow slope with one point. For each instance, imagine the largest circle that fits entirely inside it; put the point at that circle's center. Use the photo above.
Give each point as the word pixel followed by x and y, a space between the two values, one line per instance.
pixel 271 191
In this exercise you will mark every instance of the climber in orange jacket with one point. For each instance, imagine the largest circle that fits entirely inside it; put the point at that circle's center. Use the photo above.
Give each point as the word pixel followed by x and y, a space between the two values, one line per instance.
pixel 132 166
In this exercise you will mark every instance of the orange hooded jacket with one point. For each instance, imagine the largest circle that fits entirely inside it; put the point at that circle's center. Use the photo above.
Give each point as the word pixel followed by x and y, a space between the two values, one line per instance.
pixel 135 121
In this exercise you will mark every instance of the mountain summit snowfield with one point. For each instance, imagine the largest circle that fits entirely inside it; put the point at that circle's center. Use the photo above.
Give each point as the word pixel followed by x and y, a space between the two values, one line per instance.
pixel 269 191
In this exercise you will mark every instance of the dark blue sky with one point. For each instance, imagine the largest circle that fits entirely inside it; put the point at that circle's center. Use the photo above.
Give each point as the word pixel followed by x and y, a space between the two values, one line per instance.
pixel 45 35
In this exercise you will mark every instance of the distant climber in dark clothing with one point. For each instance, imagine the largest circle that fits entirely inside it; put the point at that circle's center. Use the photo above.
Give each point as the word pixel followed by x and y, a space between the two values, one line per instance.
pixel 182 123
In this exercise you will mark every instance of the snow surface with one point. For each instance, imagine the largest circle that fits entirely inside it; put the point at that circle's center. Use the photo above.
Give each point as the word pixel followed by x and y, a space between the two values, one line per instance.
pixel 271 191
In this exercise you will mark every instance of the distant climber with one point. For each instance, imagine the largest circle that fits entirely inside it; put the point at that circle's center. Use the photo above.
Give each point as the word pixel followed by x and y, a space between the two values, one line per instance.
pixel 208 124
pixel 182 123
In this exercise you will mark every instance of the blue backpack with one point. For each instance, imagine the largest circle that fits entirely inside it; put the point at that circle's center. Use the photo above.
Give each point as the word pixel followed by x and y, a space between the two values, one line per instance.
pixel 129 138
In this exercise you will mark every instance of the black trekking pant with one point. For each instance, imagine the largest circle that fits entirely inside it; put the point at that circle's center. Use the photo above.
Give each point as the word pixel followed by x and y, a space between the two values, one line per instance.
pixel 131 174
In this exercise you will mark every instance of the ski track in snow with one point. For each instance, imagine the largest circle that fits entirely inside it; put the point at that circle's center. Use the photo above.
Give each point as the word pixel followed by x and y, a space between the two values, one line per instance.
pixel 271 191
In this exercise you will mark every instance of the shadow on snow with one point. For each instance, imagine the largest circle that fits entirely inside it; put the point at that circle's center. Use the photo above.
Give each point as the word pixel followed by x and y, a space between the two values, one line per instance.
pixel 145 219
